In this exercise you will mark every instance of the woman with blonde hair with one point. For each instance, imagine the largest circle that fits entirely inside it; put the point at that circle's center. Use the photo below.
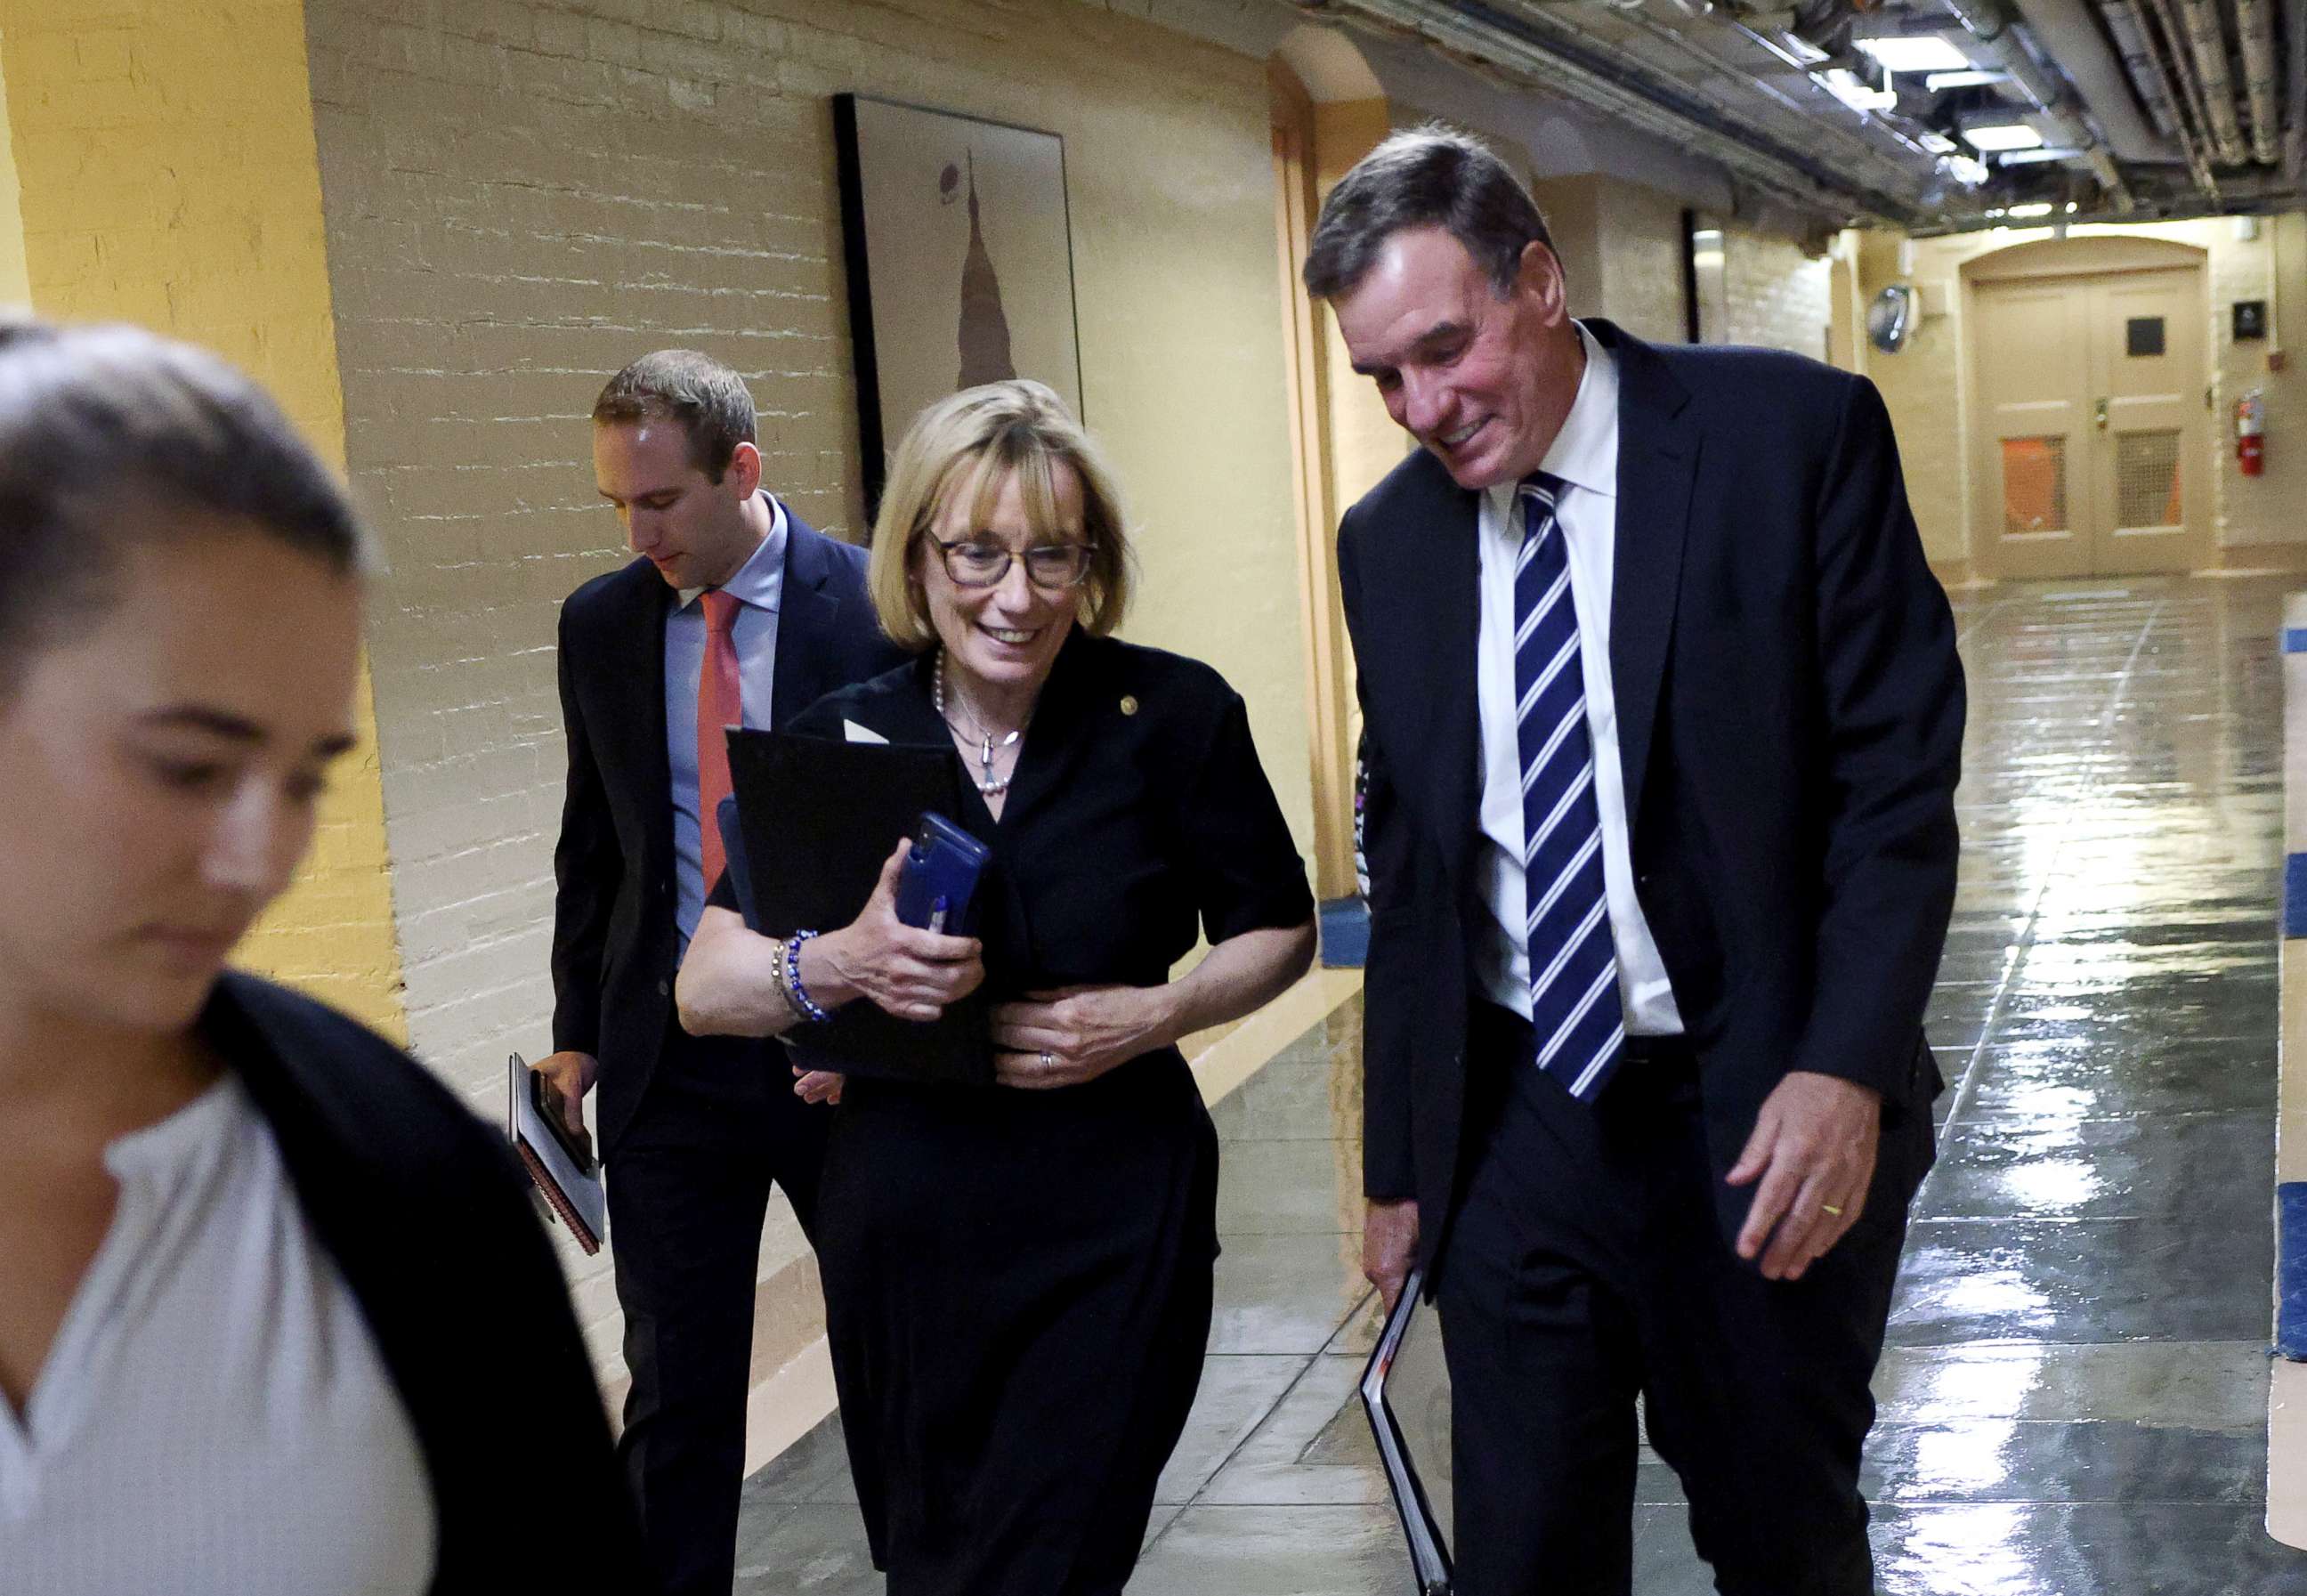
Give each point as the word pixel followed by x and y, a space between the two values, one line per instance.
pixel 1019 1280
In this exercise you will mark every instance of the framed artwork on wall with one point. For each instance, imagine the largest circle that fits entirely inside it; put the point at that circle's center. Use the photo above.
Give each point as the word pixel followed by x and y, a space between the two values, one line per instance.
pixel 959 250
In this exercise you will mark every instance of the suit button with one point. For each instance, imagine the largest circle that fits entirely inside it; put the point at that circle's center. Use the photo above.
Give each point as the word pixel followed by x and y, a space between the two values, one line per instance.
pixel 664 989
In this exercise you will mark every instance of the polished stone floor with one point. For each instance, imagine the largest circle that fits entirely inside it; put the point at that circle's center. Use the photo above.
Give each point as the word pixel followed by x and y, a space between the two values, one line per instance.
pixel 2074 1400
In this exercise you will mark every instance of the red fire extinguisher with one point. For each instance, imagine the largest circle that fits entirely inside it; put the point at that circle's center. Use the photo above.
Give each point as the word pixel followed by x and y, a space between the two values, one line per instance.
pixel 2250 432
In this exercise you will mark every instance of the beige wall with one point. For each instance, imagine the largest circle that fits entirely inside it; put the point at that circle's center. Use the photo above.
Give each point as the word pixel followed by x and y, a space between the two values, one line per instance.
pixel 1922 383
pixel 522 197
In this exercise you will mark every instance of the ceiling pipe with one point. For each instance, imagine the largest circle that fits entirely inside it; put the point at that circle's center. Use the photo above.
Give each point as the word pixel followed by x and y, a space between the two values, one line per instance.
pixel 1485 35
pixel 2068 35
pixel 2208 47
pixel 2255 21
pixel 2160 19
pixel 2294 135
pixel 1991 26
pixel 2145 68
pixel 1747 78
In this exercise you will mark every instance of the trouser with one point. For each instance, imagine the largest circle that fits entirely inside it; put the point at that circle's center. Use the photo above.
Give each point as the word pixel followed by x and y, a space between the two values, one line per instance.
pixel 688 1185
pixel 1585 1267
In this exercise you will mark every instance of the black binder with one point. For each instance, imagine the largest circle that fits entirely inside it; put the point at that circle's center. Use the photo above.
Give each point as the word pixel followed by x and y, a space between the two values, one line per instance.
pixel 819 818
pixel 1429 1552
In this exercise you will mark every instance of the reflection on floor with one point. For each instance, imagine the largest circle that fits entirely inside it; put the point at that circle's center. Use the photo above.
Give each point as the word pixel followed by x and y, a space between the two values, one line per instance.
pixel 2073 1403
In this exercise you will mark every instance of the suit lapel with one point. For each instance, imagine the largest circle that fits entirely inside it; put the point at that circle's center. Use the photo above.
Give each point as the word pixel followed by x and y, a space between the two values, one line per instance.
pixel 806 617
pixel 1437 558
pixel 1657 461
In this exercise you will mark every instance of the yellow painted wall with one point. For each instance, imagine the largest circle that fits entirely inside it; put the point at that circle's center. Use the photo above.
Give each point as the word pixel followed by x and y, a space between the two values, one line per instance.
pixel 166 172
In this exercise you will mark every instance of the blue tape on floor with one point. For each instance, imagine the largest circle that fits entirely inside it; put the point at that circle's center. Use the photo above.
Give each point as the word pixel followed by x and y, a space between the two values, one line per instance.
pixel 2294 640
pixel 1345 934
pixel 2294 895
pixel 2291 1270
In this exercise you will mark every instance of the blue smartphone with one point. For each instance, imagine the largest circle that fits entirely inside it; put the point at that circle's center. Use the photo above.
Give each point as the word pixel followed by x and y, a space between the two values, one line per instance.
pixel 937 886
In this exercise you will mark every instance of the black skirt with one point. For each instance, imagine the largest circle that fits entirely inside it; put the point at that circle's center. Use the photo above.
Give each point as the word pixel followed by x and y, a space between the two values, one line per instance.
pixel 1018 1295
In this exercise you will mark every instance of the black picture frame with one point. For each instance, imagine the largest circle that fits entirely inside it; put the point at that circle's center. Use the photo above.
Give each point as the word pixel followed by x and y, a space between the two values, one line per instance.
pixel 1007 276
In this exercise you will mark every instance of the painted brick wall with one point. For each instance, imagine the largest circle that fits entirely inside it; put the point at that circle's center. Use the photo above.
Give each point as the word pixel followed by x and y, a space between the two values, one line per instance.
pixel 164 169
pixel 522 197
pixel 1776 296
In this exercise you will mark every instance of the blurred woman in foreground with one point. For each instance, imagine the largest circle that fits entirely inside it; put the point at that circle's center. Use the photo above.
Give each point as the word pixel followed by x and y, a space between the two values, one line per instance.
pixel 275 1318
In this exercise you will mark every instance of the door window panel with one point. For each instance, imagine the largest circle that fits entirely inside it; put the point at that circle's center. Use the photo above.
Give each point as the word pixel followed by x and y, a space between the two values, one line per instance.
pixel 2034 485
pixel 2146 478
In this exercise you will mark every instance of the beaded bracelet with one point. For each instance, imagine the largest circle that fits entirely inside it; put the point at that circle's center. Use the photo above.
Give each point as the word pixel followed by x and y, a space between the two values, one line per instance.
pixel 795 989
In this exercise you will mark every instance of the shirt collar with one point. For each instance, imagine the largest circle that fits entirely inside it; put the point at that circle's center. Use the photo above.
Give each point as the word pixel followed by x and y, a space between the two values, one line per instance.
pixel 761 580
pixel 1585 452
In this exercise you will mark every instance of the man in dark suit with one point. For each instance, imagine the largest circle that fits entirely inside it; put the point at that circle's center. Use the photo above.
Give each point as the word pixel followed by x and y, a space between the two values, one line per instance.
pixel 1664 721
pixel 733 612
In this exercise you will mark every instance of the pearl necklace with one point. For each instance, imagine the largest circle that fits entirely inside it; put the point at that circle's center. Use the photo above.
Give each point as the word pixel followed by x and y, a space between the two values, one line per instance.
pixel 988 748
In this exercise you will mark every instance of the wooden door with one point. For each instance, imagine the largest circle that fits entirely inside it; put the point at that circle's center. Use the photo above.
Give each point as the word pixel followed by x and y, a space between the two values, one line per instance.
pixel 2148 511
pixel 2092 392
pixel 2033 372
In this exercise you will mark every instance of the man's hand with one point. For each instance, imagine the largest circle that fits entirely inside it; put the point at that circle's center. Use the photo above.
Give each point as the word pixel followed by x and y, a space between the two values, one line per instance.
pixel 1814 1151
pixel 1076 1033
pixel 571 1074
pixel 817 1085
pixel 1389 1246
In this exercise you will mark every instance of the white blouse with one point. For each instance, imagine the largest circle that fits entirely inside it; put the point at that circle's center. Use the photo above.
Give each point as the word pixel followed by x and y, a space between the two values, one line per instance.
pixel 214 1419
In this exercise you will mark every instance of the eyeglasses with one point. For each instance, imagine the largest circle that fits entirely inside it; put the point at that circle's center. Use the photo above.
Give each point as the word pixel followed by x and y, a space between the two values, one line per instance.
pixel 1054 566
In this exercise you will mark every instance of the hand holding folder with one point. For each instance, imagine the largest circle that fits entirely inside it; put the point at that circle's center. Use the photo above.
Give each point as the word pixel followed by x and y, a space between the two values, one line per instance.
pixel 565 1175
pixel 816 820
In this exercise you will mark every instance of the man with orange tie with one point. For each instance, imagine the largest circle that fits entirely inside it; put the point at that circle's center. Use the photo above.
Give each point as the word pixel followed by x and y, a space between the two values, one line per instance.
pixel 733 614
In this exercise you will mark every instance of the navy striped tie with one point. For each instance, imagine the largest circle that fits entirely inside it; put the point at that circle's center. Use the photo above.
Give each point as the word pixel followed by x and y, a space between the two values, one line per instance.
pixel 1575 1015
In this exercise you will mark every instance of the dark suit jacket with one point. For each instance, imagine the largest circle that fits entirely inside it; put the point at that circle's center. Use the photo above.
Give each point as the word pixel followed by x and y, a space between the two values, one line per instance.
pixel 1790 714
pixel 615 945
pixel 428 1217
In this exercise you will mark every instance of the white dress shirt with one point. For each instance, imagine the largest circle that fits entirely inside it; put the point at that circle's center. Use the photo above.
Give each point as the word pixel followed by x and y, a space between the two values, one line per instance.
pixel 214 1419
pixel 1585 457
pixel 758 588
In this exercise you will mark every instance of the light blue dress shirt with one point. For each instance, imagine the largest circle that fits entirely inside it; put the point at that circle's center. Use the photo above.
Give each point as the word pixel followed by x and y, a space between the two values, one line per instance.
pixel 758 586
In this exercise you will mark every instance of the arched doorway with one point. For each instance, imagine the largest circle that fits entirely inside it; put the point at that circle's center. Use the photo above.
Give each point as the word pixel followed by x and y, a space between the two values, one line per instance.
pixel 2088 377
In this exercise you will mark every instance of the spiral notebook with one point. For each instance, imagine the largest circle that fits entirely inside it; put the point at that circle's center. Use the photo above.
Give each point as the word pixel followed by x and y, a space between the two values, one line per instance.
pixel 565 1175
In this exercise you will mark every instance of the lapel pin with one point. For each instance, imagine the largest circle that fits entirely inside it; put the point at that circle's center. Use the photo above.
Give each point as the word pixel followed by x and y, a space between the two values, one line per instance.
pixel 1128 703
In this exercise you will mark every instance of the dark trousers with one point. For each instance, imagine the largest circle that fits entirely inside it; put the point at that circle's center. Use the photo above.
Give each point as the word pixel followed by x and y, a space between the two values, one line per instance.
pixel 689 1185
pixel 1585 1267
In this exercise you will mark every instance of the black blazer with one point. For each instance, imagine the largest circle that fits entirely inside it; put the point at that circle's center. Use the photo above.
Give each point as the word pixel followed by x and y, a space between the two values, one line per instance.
pixel 424 1211
pixel 1790 714
pixel 615 945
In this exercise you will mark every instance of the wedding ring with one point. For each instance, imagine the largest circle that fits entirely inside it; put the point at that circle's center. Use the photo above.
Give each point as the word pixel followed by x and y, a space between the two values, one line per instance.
pixel 1047 1061
pixel 1830 1208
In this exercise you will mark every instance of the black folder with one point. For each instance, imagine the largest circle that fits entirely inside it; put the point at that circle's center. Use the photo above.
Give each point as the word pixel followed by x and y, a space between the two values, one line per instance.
pixel 1397 1449
pixel 819 818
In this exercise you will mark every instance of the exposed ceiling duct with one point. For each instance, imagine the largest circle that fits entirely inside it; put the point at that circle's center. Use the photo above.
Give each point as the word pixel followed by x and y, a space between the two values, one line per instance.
pixel 1856 110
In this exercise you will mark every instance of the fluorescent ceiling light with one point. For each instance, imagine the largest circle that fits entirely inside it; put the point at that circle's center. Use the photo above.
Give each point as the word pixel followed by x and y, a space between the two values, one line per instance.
pixel 1993 138
pixel 1914 52
pixel 2027 157
pixel 1964 170
pixel 1937 143
pixel 2040 207
pixel 1843 83
pixel 1971 78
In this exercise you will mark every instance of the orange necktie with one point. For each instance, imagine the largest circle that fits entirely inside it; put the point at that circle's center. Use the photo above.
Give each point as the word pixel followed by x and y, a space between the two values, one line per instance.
pixel 720 702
